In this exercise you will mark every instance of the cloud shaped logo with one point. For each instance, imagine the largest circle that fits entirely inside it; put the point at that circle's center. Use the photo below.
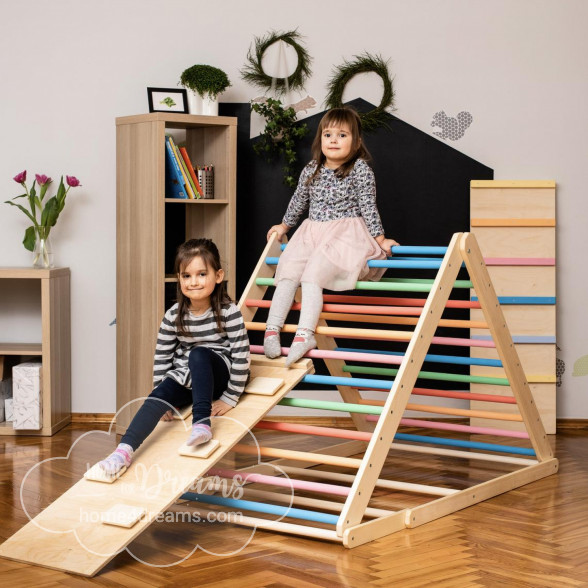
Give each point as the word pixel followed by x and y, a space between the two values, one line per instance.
pixel 213 493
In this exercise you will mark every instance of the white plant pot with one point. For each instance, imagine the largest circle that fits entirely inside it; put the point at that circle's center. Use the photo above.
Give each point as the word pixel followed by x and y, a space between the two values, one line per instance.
pixel 198 105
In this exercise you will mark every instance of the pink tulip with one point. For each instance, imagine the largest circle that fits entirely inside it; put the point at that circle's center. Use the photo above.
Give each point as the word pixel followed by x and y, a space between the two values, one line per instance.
pixel 42 179
pixel 72 181
pixel 21 177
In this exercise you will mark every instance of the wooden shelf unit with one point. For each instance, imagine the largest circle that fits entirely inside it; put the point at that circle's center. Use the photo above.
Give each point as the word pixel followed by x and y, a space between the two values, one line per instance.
pixel 151 226
pixel 54 350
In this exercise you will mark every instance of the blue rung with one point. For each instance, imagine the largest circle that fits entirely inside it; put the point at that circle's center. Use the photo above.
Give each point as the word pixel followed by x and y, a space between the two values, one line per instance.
pixel 459 443
pixel 401 264
pixel 423 250
pixel 522 299
pixel 282 511
pixel 452 359
pixel 387 263
pixel 412 258
pixel 359 382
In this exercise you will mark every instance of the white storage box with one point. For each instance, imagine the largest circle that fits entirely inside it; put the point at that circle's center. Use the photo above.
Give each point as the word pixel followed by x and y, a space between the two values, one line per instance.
pixel 26 393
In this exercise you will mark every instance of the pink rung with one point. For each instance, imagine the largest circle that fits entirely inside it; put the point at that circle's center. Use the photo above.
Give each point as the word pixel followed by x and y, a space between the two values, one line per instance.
pixel 345 355
pixel 313 430
pixel 346 299
pixel 454 394
pixel 285 482
pixel 460 428
pixel 378 300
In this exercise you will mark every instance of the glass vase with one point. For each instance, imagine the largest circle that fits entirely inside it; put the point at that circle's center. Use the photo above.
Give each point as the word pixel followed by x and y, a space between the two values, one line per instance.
pixel 43 252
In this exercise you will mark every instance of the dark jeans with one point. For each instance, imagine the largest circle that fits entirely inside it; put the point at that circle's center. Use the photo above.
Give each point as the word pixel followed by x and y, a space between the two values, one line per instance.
pixel 210 377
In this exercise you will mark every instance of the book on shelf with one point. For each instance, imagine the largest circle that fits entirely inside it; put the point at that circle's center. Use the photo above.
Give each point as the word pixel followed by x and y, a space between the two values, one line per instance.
pixel 174 181
pixel 180 160
pixel 187 173
pixel 191 171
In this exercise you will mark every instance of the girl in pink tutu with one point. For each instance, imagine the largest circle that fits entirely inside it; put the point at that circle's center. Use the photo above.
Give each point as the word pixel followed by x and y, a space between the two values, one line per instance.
pixel 342 233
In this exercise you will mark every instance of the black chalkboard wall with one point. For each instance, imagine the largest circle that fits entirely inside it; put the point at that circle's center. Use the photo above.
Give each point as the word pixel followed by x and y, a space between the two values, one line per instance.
pixel 422 183
pixel 422 195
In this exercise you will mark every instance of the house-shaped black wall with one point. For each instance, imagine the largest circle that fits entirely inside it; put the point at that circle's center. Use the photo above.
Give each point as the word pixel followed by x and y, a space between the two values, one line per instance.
pixel 422 185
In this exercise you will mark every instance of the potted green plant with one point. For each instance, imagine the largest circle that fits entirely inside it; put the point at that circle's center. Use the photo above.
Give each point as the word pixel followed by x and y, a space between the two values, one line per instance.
pixel 281 133
pixel 204 83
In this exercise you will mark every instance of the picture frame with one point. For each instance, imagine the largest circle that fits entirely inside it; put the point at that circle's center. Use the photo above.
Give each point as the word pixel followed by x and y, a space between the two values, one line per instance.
pixel 168 100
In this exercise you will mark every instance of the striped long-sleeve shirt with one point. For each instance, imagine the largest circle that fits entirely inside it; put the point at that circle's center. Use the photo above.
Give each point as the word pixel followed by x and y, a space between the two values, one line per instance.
pixel 172 350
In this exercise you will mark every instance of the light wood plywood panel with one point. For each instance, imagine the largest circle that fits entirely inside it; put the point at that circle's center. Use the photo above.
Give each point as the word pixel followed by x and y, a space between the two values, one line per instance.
pixel 516 241
pixel 537 360
pixel 501 335
pixel 523 319
pixel 544 396
pixel 515 203
pixel 523 280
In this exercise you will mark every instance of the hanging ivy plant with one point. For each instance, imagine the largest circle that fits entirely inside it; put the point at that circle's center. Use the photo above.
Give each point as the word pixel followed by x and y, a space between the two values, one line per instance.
pixel 365 63
pixel 253 71
pixel 279 136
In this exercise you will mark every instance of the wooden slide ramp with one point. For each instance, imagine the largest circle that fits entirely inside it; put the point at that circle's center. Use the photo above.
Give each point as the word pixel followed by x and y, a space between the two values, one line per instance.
pixel 69 535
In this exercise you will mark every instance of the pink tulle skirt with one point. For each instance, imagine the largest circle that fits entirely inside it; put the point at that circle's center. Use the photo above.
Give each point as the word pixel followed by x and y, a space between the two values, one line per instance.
pixel 332 254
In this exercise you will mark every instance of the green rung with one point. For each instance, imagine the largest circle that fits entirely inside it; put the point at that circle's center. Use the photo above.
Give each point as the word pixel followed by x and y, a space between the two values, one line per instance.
pixel 328 405
pixel 356 369
pixel 395 285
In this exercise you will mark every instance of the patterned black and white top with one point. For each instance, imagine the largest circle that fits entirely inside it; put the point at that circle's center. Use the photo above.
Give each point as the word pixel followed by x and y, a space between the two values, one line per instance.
pixel 172 350
pixel 331 198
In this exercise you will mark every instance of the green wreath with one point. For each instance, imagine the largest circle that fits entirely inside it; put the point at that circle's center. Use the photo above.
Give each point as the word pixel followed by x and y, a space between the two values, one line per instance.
pixel 253 71
pixel 363 64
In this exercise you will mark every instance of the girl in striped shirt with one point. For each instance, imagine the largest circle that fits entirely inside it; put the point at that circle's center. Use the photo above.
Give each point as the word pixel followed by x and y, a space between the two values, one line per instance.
pixel 201 356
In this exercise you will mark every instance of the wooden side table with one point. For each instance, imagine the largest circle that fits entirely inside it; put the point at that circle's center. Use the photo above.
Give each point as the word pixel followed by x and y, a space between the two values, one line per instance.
pixel 54 350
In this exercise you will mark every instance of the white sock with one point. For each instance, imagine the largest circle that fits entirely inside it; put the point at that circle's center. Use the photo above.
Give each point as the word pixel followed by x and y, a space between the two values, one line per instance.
pixel 120 457
pixel 200 434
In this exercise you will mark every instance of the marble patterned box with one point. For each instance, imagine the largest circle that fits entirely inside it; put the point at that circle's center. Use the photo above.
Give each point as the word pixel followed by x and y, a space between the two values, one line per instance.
pixel 26 393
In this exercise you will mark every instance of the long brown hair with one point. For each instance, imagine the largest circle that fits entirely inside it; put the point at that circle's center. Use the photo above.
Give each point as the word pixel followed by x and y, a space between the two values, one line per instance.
pixel 208 252
pixel 337 117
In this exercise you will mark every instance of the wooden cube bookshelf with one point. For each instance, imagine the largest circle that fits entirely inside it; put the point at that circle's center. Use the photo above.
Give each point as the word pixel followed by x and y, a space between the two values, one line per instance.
pixel 150 227
pixel 54 349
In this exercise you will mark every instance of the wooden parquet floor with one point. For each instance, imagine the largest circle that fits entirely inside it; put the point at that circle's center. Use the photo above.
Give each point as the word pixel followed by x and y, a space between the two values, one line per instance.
pixel 534 536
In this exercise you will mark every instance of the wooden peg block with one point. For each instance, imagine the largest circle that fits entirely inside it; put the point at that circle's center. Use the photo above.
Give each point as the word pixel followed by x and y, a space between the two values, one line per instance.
pixel 97 474
pixel 122 515
pixel 264 386
pixel 203 451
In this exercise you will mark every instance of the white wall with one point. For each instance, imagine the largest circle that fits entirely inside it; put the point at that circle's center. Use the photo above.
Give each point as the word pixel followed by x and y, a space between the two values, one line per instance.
pixel 69 67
